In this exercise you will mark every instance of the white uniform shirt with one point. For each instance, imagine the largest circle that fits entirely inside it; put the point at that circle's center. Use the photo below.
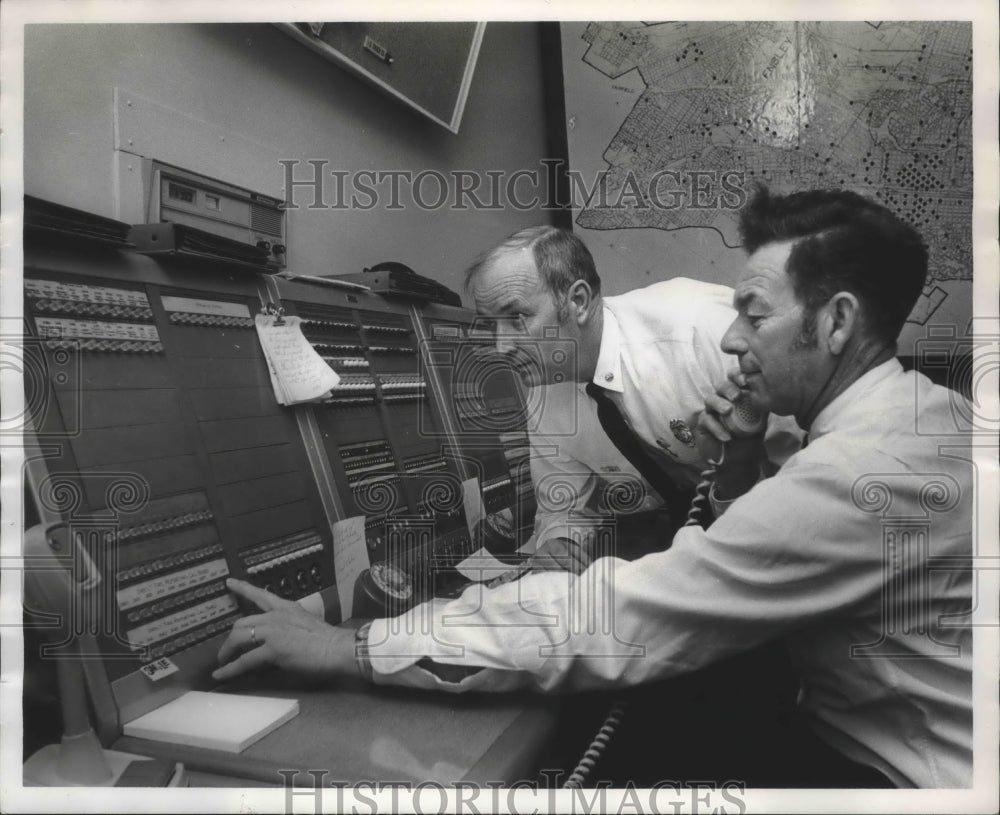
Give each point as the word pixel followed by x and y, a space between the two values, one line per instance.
pixel 856 551
pixel 660 357
pixel 573 461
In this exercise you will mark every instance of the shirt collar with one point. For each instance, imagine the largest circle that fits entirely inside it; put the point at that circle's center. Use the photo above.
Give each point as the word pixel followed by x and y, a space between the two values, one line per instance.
pixel 827 417
pixel 608 373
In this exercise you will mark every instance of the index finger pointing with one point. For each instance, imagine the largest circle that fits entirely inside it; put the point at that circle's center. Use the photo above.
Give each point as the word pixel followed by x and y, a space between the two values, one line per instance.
pixel 262 599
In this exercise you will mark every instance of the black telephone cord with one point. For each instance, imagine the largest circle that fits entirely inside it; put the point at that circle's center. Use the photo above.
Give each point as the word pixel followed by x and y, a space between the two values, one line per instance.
pixel 597 747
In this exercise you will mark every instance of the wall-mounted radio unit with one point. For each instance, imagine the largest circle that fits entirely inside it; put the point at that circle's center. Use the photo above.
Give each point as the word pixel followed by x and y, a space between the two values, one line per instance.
pixel 182 197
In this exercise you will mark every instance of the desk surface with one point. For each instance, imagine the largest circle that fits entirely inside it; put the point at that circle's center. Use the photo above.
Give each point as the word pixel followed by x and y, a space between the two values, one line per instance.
pixel 356 733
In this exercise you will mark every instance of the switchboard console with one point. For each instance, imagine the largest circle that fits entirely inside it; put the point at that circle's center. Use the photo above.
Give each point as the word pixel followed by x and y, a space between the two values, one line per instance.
pixel 489 419
pixel 382 433
pixel 155 436
pixel 161 444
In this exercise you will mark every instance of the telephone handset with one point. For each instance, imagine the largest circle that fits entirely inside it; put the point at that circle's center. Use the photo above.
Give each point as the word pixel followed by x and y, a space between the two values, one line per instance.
pixel 393 267
pixel 744 420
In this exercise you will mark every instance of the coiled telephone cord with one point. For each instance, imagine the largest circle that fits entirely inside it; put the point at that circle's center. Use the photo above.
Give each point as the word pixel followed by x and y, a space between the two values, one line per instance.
pixel 700 501
pixel 597 747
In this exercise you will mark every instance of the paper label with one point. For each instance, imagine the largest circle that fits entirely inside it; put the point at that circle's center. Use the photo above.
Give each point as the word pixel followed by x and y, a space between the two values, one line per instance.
pixel 159 669
pixel 190 305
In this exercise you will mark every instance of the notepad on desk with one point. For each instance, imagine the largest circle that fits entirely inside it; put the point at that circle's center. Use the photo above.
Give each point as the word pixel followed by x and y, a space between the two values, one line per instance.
pixel 216 721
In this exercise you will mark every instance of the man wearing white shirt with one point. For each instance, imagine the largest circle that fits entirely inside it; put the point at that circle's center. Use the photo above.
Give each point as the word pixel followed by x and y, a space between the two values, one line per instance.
pixel 578 474
pixel 652 354
pixel 856 552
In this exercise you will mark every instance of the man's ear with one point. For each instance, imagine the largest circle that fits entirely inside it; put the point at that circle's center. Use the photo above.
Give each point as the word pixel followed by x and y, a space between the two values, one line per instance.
pixel 580 297
pixel 841 320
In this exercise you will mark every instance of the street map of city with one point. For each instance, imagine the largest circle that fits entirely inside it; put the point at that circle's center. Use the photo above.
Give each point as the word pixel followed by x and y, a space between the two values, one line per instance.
pixel 670 124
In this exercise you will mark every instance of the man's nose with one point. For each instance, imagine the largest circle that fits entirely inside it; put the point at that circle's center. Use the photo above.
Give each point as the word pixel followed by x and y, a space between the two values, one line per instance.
pixel 504 343
pixel 733 341
pixel 507 336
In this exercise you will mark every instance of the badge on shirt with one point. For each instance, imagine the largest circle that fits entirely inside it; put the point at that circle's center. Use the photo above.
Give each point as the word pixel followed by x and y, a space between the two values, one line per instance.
pixel 682 432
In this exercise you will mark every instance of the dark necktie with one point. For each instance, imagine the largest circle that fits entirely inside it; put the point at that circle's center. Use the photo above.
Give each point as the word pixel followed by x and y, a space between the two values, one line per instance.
pixel 635 451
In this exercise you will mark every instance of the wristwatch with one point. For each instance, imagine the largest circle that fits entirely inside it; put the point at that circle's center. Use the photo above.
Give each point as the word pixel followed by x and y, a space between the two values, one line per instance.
pixel 361 655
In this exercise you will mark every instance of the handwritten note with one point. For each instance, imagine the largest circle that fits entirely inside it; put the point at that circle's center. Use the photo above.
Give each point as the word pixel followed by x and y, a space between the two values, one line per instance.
pixel 298 373
pixel 350 559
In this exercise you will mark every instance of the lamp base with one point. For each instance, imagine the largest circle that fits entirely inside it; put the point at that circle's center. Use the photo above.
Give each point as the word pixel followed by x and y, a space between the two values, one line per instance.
pixel 48 768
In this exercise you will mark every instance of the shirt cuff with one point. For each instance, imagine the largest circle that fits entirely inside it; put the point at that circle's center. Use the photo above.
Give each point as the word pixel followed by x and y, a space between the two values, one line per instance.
pixel 450 674
pixel 720 505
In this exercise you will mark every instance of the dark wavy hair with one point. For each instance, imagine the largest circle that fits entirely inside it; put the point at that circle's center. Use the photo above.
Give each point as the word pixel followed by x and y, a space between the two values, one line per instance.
pixel 842 242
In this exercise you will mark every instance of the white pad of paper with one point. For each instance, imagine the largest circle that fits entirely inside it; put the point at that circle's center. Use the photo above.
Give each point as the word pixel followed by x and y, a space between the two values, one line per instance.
pixel 216 721
pixel 298 373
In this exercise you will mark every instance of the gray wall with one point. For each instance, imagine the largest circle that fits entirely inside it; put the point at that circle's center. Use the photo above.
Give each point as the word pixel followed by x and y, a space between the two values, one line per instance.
pixel 254 82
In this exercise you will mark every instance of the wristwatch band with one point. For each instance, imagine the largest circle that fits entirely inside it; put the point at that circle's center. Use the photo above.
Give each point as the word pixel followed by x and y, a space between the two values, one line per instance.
pixel 361 654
